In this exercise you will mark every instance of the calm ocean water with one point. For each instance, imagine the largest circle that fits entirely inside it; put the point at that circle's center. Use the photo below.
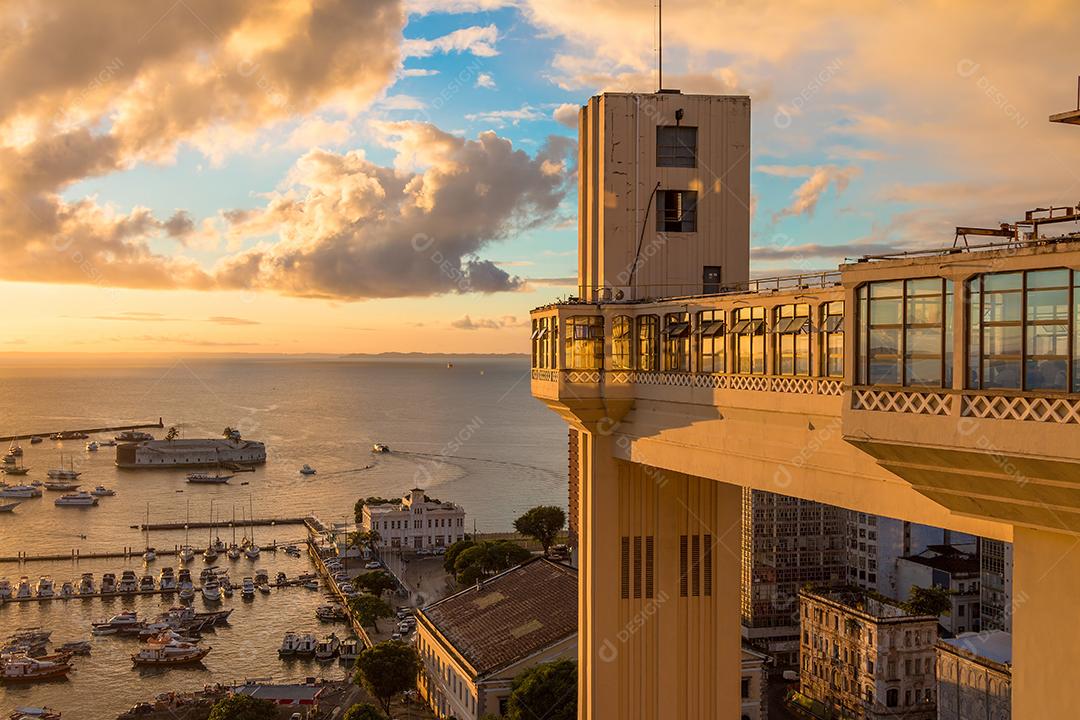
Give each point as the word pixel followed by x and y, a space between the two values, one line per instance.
pixel 471 434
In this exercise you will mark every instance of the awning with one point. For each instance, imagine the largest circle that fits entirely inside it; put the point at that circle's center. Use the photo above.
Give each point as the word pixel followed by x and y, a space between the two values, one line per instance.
pixel 677 330
pixel 710 328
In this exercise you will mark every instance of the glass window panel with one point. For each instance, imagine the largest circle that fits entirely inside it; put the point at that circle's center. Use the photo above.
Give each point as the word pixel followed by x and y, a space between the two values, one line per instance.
pixel 1002 340
pixel 885 312
pixel 884 371
pixel 1046 374
pixel 1003 281
pixel 863 335
pixel 1002 373
pixel 923 371
pixel 1055 278
pixel 925 310
pixel 1048 304
pixel 923 341
pixel 885 341
pixel 1048 340
pixel 1002 307
pixel 924 286
pixel 893 288
pixel 974 345
pixel 947 345
pixel 622 343
pixel 1076 332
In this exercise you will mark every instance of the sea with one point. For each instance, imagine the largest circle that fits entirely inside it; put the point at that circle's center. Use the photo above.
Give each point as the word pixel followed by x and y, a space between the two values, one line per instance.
pixel 465 429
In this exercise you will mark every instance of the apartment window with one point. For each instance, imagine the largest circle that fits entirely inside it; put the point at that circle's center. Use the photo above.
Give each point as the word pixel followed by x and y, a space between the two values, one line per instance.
pixel 791 330
pixel 648 333
pixel 905 333
pixel 710 339
pixel 676 336
pixel 710 279
pixel 539 325
pixel 748 330
pixel 892 697
pixel 585 342
pixel 676 146
pixel 1023 330
pixel 745 688
pixel 832 339
pixel 676 211
pixel 622 343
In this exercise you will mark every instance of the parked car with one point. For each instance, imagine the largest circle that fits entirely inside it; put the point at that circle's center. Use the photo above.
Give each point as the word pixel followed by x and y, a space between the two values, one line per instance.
pixel 373 565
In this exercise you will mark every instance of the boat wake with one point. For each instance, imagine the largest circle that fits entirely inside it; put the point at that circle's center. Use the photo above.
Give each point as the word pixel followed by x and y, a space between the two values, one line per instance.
pixel 452 458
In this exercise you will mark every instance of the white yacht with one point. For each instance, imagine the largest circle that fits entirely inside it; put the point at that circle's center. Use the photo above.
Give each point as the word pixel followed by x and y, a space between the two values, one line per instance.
pixel 86 584
pixel 307 470
pixel 122 621
pixel 108 584
pixel 186 554
pixel 167 579
pixel 45 587
pixel 146 583
pixel 67 589
pixel 129 583
pixel 5 589
pixel 20 491
pixel 102 491
pixel 91 446
pixel 149 555
pixel 78 499
pixel 169 652
pixel 211 590
pixel 23 590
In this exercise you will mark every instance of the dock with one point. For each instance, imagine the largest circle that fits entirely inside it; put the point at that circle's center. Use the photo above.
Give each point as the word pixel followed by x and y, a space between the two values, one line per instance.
pixel 89 431
pixel 128 552
pixel 256 522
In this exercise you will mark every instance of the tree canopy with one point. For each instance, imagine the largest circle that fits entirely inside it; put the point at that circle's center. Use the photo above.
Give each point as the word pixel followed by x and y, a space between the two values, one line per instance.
pixel 243 707
pixel 550 688
pixel 452 553
pixel 375 582
pixel 368 609
pixel 363 711
pixel 487 558
pixel 928 601
pixel 542 523
pixel 387 669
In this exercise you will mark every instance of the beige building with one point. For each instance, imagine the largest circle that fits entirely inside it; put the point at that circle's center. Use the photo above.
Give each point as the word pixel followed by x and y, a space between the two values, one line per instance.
pixel 863 657
pixel 754 681
pixel 954 569
pixel 474 643
pixel 894 386
pixel 417 522
pixel 974 677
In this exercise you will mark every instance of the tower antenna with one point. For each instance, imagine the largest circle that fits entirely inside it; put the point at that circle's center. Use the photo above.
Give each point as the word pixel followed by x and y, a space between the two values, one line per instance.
pixel 660 43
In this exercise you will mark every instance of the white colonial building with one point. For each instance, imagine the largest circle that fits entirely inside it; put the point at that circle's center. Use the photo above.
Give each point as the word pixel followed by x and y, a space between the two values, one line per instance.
pixel 417 522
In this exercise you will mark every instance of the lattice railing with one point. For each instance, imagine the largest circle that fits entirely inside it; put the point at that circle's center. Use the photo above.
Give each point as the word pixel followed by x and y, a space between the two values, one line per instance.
pixel 1035 409
pixel 583 376
pixel 544 374
pixel 749 382
pixel 829 387
pixel 713 381
pixel 619 377
pixel 914 402
pixel 801 385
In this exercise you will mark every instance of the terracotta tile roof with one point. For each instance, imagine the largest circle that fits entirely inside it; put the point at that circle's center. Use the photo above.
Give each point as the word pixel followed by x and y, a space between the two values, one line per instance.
pixel 509 616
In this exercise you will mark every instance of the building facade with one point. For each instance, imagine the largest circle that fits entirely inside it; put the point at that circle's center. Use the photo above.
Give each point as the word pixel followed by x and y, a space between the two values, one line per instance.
pixel 755 676
pixel 954 569
pixel 974 676
pixel 995 559
pixel 416 523
pixel 474 643
pixel 888 387
pixel 862 656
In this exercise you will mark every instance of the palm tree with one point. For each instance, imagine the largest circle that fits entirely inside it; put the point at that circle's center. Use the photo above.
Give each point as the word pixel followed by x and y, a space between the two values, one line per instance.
pixel 172 434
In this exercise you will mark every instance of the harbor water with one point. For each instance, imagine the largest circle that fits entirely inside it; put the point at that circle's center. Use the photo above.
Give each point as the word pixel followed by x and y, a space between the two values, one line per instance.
pixel 469 433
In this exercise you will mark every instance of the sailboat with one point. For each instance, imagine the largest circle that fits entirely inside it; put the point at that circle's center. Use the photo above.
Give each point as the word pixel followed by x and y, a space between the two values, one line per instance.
pixel 149 555
pixel 63 473
pixel 234 549
pixel 15 468
pixel 210 554
pixel 252 552
pixel 186 554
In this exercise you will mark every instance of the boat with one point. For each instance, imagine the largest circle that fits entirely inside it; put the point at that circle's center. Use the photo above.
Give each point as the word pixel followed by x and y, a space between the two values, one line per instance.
pixel 86 584
pixel 306 644
pixel 187 594
pixel 45 588
pixel 9 459
pixel 64 473
pixel 22 590
pixel 67 589
pixel 8 507
pixel 281 578
pixel 149 555
pixel 327 648
pixel 210 554
pixel 5 589
pixel 60 485
pixel 102 491
pixel 22 668
pixel 331 613
pixel 14 450
pixel 264 588
pixel 349 650
pixel 70 435
pixel 208 479
pixel 247 589
pixel 129 583
pixel 146 583
pixel 307 470
pixel 16 469
pixel 36 439
pixel 75 647
pixel 289 643
pixel 311 584
pixel 91 446
pixel 79 499
pixel 166 580
pixel 20 491
pixel 292 550
pixel 262 577
pixel 184 584
pixel 108 584
pixel 380 448
pixel 186 554
pixel 211 590
pixel 169 652
pixel 133 436
pixel 128 620
pixel 252 551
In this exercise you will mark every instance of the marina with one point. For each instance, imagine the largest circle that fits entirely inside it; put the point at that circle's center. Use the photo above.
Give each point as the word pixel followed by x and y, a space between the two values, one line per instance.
pixel 78 434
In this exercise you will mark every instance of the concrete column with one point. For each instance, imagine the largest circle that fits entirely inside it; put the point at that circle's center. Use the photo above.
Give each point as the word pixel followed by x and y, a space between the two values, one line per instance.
pixel 655 643
pixel 1046 642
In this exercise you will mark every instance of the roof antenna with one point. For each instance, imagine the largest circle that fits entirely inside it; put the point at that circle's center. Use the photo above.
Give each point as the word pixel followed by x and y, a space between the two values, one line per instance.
pixel 660 43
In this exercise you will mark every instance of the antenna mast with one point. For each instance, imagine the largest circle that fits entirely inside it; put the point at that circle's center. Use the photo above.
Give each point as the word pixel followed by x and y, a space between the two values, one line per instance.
pixel 660 43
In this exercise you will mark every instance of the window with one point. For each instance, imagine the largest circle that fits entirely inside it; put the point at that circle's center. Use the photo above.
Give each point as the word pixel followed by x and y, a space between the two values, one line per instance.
pixel 710 339
pixel 832 339
pixel 537 328
pixel 892 697
pixel 710 279
pixel 676 146
pixel 745 687
pixel 748 330
pixel 676 211
pixel 648 332
pixel 677 342
pixel 791 329
pixel 585 342
pixel 622 343
pixel 905 333
pixel 1019 330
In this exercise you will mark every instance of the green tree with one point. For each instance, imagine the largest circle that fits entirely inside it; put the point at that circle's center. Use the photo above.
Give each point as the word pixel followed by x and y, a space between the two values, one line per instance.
pixel 368 609
pixel 928 601
pixel 230 432
pixel 452 553
pixel 243 707
pixel 363 711
pixel 387 669
pixel 552 687
pixel 542 523
pixel 375 582
pixel 487 558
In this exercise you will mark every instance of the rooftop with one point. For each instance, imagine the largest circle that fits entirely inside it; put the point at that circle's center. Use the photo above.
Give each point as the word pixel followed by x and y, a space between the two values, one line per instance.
pixel 866 603
pixel 510 616
pixel 995 645
pixel 947 558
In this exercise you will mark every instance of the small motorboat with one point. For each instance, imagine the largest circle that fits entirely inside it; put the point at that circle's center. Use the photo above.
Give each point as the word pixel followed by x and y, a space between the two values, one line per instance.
pixel 349 650
pixel 186 554
pixel 128 620
pixel 91 446
pixel 307 470
pixel 67 590
pixel 211 590
pixel 167 579
pixel 187 594
pixel 102 491
pixel 380 448
pixel 5 589
pixel 86 584
pixel 146 583
pixel 331 613
pixel 263 588
pixel 247 589
pixel 36 439
pixel 281 578
pixel 23 590
pixel 208 479
pixel 289 643
pixel 306 645
pixel 44 587
pixel 79 499
pixel 292 551
pixel 108 584
pixel 8 507
pixel 262 577
pixel 327 648
pixel 129 583
pixel 169 652
pixel 75 647
pixel 149 555
pixel 312 584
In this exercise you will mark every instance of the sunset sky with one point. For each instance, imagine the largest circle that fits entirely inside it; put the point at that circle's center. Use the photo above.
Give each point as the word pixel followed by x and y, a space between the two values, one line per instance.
pixel 377 175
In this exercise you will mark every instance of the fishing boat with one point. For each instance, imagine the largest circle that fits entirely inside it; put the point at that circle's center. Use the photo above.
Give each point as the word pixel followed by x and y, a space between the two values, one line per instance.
pixel 8 507
pixel 22 668
pixel 78 499
pixel 19 491
pixel 169 652
pixel 102 491
pixel 197 478
pixel 307 470
pixel 327 648
pixel 86 584
pixel 289 643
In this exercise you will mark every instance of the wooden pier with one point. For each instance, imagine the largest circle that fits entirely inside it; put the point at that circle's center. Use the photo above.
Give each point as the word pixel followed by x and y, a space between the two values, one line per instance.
pixel 257 522
pixel 89 431
pixel 126 553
